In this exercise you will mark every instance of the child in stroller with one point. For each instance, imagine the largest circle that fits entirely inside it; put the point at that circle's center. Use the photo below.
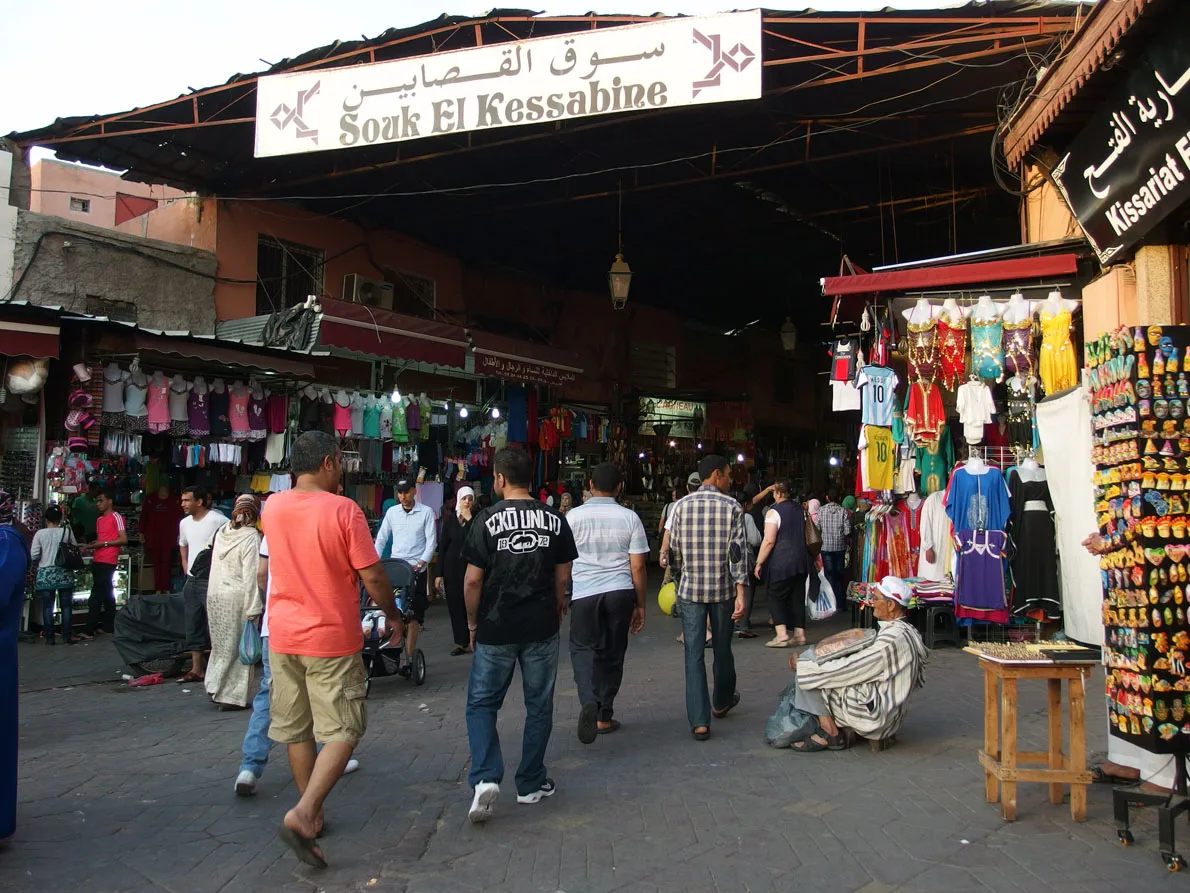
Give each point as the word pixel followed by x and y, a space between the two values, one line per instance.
pixel 382 656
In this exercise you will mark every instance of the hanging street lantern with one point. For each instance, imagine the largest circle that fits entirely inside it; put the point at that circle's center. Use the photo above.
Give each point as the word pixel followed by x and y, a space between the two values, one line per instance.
pixel 789 336
pixel 619 279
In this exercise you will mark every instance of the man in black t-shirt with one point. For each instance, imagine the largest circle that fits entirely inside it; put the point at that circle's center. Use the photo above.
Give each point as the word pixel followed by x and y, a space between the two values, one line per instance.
pixel 518 555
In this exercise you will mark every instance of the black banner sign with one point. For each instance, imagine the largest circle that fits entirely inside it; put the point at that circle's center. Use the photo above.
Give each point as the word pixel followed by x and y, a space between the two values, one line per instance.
pixel 1130 166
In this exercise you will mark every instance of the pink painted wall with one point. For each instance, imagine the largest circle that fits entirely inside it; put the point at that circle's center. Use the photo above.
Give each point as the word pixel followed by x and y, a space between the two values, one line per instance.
pixel 188 221
pixel 55 182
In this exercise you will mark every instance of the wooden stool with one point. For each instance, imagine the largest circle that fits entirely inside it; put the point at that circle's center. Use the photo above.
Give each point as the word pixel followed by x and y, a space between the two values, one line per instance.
pixel 1000 756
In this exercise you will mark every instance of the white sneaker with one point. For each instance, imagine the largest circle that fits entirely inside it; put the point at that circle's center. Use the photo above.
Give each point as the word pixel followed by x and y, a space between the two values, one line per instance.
pixel 352 766
pixel 245 784
pixel 547 789
pixel 484 804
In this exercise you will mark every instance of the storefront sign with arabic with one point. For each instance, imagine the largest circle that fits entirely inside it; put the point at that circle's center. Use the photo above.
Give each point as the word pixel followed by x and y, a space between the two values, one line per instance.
pixel 661 64
pixel 522 370
pixel 1130 167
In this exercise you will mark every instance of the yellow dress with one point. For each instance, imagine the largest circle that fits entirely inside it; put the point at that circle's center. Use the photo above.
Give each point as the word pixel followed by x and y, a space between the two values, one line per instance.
pixel 1058 368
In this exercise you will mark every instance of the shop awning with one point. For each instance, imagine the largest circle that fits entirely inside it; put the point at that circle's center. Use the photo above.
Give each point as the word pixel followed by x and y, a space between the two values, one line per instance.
pixel 916 279
pixel 384 335
pixel 28 339
pixel 515 360
pixel 210 352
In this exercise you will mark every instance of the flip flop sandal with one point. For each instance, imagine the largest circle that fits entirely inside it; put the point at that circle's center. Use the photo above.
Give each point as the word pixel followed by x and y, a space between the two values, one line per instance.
pixel 810 745
pixel 614 727
pixel 719 714
pixel 188 677
pixel 745 634
pixel 1098 776
pixel 305 848
pixel 703 735
pixel 778 643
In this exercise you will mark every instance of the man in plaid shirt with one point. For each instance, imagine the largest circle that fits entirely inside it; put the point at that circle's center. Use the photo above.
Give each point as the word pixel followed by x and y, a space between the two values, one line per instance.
pixel 707 534
pixel 834 522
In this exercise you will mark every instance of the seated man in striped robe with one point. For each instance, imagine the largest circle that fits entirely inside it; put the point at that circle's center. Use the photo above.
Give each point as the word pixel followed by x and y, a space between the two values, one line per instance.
pixel 857 682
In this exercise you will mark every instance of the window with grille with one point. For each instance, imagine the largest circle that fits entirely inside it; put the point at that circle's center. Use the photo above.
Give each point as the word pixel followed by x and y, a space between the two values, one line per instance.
pixel 654 366
pixel 286 273
pixel 413 295
pixel 80 205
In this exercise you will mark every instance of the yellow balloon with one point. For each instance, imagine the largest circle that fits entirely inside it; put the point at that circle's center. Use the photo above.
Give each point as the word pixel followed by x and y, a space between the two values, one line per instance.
pixel 667 598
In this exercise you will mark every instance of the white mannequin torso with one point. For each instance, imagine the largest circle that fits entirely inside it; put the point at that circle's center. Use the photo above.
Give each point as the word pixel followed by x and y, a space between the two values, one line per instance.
pixel 921 312
pixel 985 310
pixel 1017 310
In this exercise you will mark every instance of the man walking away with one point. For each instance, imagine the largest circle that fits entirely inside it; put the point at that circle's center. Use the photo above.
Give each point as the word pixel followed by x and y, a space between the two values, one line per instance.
pixel 707 531
pixel 408 529
pixel 518 554
pixel 319 551
pixel 834 523
pixel 196 532
pixel 110 536
pixel 609 598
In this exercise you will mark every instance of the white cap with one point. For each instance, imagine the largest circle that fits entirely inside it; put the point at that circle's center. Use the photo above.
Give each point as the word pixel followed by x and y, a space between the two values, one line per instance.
pixel 896 589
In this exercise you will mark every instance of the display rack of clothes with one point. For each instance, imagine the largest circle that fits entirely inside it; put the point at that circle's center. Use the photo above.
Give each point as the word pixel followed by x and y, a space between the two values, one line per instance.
pixel 1034 553
pixel 977 503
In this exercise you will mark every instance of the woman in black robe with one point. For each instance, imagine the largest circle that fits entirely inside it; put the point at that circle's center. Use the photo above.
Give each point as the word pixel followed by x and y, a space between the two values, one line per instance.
pixel 455 525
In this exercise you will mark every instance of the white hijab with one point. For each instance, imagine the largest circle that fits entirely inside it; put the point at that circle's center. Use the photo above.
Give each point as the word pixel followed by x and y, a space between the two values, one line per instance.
pixel 462 491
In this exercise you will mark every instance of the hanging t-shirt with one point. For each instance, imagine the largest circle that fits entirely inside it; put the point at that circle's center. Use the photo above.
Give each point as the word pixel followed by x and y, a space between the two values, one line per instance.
pixel 878 387
pixel 845 397
pixel 400 430
pixel 975 407
pixel 843 359
pixel 518 544
pixel 925 415
pixel 876 457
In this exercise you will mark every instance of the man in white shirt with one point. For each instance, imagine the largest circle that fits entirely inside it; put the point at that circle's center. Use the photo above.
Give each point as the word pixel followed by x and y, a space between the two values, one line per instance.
pixel 609 579
pixel 195 533
pixel 409 532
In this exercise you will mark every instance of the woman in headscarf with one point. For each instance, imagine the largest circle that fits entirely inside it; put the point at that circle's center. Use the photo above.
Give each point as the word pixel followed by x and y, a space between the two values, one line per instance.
pixel 450 544
pixel 232 598
pixel 566 503
pixel 14 564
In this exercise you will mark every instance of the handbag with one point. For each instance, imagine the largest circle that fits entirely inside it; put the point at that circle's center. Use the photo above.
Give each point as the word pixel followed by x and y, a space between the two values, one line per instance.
pixel 813 536
pixel 251 648
pixel 69 556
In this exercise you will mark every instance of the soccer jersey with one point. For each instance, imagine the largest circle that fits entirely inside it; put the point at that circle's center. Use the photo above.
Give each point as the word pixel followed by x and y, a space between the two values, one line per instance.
pixel 878 386
pixel 843 357
pixel 876 457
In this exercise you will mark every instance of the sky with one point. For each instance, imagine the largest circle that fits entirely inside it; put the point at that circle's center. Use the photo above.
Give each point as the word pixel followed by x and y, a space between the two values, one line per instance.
pixel 81 57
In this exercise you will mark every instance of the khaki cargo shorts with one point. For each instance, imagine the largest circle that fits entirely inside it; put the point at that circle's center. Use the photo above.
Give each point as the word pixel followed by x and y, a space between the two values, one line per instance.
pixel 319 698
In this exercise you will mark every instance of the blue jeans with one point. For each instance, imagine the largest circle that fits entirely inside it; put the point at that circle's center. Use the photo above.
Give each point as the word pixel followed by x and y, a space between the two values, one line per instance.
pixel 694 624
pixel 257 743
pixel 491 674
pixel 65 605
pixel 833 569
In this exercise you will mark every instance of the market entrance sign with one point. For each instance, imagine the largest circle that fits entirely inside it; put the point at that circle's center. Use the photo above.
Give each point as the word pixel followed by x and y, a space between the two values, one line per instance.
pixel 673 62
pixel 1130 166
pixel 524 370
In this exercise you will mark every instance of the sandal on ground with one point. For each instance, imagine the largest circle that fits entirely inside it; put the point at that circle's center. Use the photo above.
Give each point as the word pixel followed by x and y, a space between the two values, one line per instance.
pixel 701 733
pixel 614 727
pixel 798 640
pixel 719 714
pixel 305 848
pixel 778 643
pixel 833 742
pixel 745 634
pixel 191 676
pixel 1098 776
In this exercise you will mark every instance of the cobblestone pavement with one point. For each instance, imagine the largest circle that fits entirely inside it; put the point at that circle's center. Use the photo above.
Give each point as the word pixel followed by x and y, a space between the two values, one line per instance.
pixel 131 790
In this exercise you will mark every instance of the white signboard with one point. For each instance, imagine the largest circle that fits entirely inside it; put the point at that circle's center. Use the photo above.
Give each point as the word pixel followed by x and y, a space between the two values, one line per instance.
pixel 684 416
pixel 672 62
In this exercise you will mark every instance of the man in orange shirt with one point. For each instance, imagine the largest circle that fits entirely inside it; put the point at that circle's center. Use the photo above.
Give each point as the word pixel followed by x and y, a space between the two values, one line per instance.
pixel 319 550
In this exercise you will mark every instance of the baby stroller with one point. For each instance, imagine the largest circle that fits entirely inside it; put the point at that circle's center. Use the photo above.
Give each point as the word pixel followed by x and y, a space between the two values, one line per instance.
pixel 382 656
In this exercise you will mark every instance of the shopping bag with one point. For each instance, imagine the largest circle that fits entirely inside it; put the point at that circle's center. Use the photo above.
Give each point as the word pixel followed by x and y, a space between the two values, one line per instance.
pixel 250 644
pixel 824 606
pixel 789 725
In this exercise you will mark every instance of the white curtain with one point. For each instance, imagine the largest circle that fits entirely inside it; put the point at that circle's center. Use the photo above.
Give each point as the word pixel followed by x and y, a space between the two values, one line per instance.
pixel 1064 425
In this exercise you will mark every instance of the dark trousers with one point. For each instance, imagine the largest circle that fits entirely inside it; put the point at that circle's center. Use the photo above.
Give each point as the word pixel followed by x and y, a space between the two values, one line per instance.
pixel 787 601
pixel 457 605
pixel 101 606
pixel 694 624
pixel 745 622
pixel 832 568
pixel 65 605
pixel 599 627
pixel 161 552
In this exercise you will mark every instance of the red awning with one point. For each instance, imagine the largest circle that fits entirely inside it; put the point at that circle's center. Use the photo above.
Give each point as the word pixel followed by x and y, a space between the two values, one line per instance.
pixel 382 334
pixel 28 339
pixel 211 352
pixel 514 360
pixel 1021 268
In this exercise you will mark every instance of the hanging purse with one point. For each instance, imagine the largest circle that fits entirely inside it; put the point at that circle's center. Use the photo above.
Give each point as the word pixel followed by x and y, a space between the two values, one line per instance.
pixel 69 556
pixel 813 536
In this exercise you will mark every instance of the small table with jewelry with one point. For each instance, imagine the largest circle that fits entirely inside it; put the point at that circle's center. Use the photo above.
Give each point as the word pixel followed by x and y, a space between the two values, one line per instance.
pixel 1052 662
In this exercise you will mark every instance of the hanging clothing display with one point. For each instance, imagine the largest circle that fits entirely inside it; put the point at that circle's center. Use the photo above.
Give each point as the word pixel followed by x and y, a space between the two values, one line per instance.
pixel 220 409
pixel 1057 367
pixel 878 387
pixel 925 416
pixel 934 462
pixel 876 458
pixel 1019 354
pixel 1035 558
pixel 975 409
pixel 923 351
pixel 936 547
pixel 910 509
pixel 977 498
pixel 952 349
pixel 845 397
pixel 979 580
pixel 844 357
pixel 987 349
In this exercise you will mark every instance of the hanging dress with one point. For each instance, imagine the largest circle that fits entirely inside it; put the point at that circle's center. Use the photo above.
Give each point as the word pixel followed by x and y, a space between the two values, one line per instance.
pixel 987 349
pixel 113 397
pixel 952 350
pixel 238 406
pixel 1057 365
pixel 979 581
pixel 258 420
pixel 1019 356
pixel 934 462
pixel 925 415
pixel 923 351
pixel 198 413
pixel 157 406
pixel 1035 559
pixel 220 413
pixel 179 409
pixel 977 501
pixel 136 414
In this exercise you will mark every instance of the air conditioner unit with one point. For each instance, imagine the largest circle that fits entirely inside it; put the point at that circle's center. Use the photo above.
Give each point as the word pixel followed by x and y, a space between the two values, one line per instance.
pixel 365 290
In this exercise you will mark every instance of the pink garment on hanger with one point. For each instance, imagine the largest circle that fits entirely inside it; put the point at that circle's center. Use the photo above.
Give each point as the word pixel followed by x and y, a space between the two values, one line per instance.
pixel 238 409
pixel 158 406
pixel 342 420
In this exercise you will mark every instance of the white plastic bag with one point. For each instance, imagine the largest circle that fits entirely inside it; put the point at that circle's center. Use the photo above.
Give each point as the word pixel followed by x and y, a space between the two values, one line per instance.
pixel 825 606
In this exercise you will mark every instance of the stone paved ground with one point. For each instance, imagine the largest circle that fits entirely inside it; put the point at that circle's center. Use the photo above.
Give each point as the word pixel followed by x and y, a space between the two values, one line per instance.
pixel 131 790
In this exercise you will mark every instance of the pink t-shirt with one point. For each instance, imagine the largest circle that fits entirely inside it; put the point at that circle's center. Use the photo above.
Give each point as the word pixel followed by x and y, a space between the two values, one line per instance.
pixel 107 529
pixel 158 404
pixel 317 544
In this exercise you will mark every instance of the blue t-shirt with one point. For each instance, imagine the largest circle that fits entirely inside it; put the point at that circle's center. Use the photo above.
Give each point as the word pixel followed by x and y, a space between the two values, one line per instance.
pixel 878 387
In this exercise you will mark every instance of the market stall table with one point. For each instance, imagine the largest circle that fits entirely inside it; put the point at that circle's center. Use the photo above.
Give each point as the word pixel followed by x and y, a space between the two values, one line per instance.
pixel 1000 757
